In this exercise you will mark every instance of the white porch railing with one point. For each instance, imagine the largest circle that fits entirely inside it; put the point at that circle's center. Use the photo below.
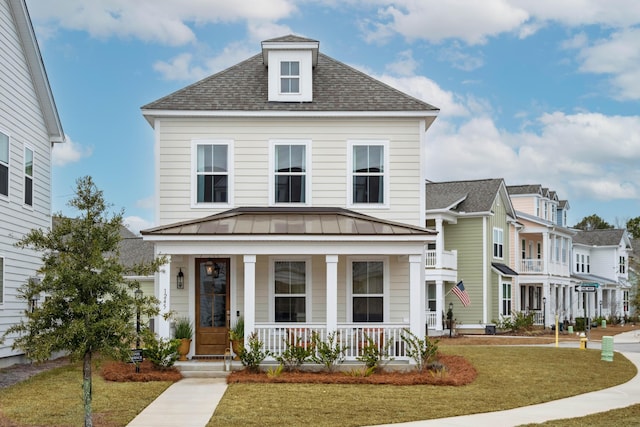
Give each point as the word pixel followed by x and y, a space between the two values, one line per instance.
pixel 449 259
pixel 386 337
pixel 538 317
pixel 531 266
pixel 432 319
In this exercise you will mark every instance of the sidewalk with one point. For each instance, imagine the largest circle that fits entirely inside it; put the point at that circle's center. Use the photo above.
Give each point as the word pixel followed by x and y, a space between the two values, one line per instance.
pixel 191 402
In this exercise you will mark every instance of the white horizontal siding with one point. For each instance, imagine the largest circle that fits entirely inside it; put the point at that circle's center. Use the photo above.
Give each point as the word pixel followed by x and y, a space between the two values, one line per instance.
pixel 251 171
pixel 22 119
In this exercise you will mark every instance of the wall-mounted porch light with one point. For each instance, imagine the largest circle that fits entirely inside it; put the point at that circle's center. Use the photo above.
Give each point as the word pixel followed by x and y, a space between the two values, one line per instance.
pixel 180 280
pixel 212 269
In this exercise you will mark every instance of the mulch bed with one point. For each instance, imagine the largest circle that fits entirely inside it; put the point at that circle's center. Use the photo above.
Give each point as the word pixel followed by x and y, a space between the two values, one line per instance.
pixel 458 372
pixel 123 372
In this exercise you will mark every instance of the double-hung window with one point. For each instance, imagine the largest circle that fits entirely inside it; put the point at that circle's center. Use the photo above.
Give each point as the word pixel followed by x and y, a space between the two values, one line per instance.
pixel 367 279
pixel 290 77
pixel 28 176
pixel 4 164
pixel 290 170
pixel 212 171
pixel 506 299
pixel 368 173
pixel 290 291
pixel 498 242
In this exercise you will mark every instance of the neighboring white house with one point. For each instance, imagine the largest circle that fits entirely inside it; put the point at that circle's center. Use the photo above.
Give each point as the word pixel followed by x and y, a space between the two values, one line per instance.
pixel 29 128
pixel 601 257
pixel 290 191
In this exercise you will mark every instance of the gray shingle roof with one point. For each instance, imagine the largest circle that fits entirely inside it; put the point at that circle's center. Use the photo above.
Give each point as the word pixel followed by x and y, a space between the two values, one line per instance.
pixel 478 195
pixel 336 87
pixel 288 221
pixel 608 237
pixel 524 189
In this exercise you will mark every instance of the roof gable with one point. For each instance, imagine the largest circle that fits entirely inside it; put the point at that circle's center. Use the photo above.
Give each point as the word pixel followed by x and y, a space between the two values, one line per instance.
pixel 605 237
pixel 475 196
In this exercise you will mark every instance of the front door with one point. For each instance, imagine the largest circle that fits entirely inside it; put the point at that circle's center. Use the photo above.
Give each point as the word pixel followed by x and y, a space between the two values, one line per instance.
pixel 212 305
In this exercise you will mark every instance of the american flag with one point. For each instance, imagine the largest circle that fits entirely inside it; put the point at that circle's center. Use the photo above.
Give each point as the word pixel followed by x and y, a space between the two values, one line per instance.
pixel 462 295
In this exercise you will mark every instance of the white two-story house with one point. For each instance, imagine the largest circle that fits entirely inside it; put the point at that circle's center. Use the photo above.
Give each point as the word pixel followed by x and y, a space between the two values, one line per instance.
pixel 29 128
pixel 290 192
pixel 601 258
pixel 543 257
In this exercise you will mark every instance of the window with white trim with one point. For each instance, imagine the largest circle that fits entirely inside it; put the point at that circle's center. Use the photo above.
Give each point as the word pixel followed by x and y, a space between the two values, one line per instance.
pixel 431 297
pixel 367 281
pixel 290 290
pixel 4 164
pixel 289 77
pixel 28 176
pixel 622 265
pixel 368 173
pixel 506 299
pixel 498 242
pixel 625 302
pixel 212 172
pixel 290 170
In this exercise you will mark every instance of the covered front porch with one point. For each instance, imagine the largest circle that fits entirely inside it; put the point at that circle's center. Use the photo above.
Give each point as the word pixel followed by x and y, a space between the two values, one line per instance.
pixel 293 273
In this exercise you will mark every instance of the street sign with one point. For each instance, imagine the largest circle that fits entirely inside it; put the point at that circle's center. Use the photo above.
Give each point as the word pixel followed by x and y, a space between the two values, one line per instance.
pixel 586 288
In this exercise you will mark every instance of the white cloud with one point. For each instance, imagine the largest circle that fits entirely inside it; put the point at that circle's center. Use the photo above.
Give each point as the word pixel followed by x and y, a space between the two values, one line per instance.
pixel 167 22
pixel 135 223
pixel 69 152
pixel 574 13
pixel 405 65
pixel 617 56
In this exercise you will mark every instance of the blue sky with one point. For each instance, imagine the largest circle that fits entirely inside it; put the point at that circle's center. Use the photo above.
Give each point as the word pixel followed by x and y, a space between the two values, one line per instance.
pixel 532 91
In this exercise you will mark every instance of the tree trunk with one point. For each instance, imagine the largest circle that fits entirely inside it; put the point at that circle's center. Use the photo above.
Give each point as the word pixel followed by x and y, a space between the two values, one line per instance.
pixel 86 389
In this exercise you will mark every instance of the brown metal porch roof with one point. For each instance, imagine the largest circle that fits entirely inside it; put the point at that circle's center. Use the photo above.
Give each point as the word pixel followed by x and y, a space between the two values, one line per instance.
pixel 287 221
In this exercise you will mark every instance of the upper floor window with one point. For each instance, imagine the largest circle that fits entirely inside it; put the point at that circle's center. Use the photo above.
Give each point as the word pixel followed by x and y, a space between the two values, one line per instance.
pixel 290 291
pixel 28 176
pixel 498 242
pixel 212 172
pixel 290 77
pixel 367 292
pixel 290 169
pixel 623 265
pixel 368 173
pixel 4 165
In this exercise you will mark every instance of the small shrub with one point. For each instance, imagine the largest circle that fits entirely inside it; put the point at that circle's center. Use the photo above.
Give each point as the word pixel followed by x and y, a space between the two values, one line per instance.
pixel 274 372
pixel 372 354
pixel 329 353
pixel 422 351
pixel 361 372
pixel 254 355
pixel 183 328
pixel 519 321
pixel 163 353
pixel 294 354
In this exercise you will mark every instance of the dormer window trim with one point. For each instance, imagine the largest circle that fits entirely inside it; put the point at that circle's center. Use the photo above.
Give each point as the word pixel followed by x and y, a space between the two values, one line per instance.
pixel 289 77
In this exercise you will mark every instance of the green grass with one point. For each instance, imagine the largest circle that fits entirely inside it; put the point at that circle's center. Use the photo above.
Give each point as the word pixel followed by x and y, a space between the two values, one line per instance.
pixel 625 417
pixel 55 398
pixel 508 377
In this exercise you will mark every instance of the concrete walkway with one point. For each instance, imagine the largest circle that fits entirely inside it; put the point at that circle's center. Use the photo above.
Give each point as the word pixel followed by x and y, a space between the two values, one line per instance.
pixel 191 402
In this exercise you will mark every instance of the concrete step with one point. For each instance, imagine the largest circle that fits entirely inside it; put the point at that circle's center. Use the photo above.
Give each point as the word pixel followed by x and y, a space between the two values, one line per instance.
pixel 208 369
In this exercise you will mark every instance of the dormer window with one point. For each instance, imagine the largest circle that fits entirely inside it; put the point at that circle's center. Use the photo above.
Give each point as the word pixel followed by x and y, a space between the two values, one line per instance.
pixel 290 77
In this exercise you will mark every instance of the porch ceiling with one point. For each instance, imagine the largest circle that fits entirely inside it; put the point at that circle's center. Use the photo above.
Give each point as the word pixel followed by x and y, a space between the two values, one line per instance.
pixel 296 221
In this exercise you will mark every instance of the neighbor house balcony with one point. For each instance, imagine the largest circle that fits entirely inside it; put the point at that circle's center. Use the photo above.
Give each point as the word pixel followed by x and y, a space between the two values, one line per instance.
pixel 441 265
pixel 386 337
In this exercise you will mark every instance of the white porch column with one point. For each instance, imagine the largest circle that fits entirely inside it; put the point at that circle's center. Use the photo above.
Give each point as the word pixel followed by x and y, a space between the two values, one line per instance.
pixel 332 293
pixel 546 253
pixel 546 293
pixel 164 295
pixel 416 295
pixel 439 243
pixel 249 295
pixel 439 304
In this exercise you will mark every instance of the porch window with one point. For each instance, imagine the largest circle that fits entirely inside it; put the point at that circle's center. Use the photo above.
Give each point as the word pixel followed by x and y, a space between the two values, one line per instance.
pixel 4 165
pixel 625 299
pixel 368 291
pixel 212 172
pixel 290 169
pixel 290 285
pixel 28 176
pixel 498 242
pixel 506 299
pixel 523 298
pixel 368 173
pixel 431 297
